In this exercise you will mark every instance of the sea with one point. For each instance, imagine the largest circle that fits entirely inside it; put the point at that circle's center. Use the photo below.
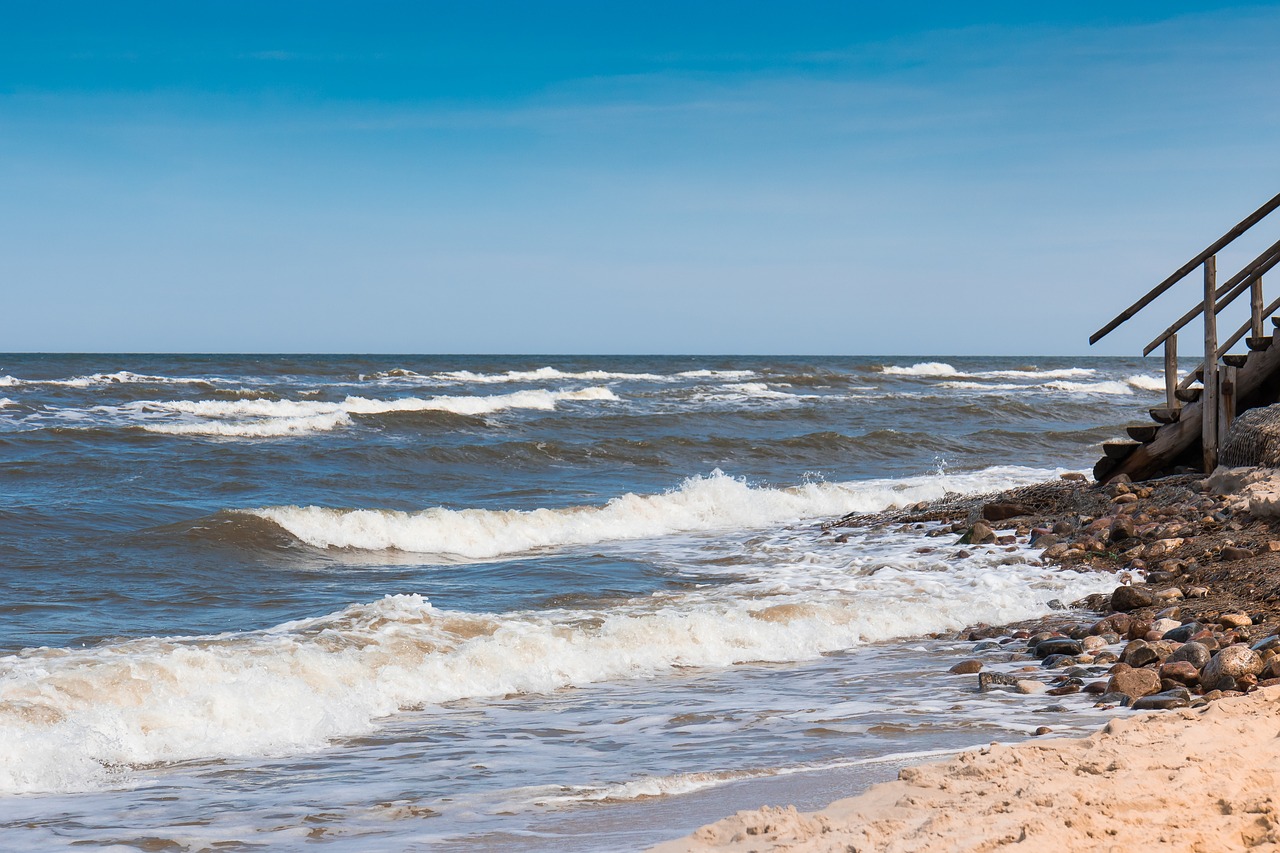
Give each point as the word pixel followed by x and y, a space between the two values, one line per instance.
pixel 349 602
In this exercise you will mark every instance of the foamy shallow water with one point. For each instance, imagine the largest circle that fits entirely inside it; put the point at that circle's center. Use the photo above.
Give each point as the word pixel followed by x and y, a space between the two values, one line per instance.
pixel 496 603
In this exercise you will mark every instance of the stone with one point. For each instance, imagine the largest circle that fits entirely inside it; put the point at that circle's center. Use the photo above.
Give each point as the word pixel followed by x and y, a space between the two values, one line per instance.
pixel 1134 683
pixel 1044 730
pixel 1115 698
pixel 1063 528
pixel 980 534
pixel 1196 654
pixel 1075 477
pixel 1198 592
pixel 1058 661
pixel 1266 644
pixel 1116 623
pixel 1043 540
pixel 966 667
pixel 988 681
pixel 1163 547
pixel 1002 511
pixel 1093 643
pixel 1176 698
pixel 1234 620
pixel 1121 530
pixel 1126 598
pixel 1233 662
pixel 1181 671
pixel 1064 690
pixel 1139 653
pixel 1183 632
pixel 1125 499
pixel 1056 552
pixel 1028 687
pixel 1164 626
pixel 1231 553
pixel 1057 646
pixel 1164 596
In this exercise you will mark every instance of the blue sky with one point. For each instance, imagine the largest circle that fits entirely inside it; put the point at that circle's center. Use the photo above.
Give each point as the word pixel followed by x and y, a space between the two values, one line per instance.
pixel 739 177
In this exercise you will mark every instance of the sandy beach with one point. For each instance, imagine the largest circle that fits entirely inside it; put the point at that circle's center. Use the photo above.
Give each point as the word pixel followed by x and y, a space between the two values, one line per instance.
pixel 1195 644
pixel 1202 779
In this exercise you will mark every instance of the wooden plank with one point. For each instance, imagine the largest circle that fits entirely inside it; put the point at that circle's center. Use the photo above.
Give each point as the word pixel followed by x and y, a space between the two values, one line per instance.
pixel 1190 395
pixel 1209 431
pixel 1119 449
pixel 1213 249
pixel 1236 359
pixel 1142 432
pixel 1167 415
pixel 1171 372
pixel 1258 342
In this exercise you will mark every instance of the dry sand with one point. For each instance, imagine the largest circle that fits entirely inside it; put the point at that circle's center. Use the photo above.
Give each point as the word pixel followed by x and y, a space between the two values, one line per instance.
pixel 1202 779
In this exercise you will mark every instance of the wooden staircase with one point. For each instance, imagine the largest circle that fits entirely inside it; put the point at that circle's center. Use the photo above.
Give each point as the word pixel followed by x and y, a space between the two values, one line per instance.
pixel 1191 426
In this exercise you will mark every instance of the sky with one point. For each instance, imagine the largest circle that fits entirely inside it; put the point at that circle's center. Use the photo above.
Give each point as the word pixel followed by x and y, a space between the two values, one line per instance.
pixel 586 177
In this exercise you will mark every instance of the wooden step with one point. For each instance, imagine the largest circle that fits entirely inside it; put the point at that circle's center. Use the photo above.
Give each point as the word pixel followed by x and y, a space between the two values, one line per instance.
pixel 1275 321
pixel 1119 449
pixel 1165 415
pixel 1142 432
pixel 1199 374
pixel 1188 395
pixel 1257 344
pixel 1104 467
pixel 1235 359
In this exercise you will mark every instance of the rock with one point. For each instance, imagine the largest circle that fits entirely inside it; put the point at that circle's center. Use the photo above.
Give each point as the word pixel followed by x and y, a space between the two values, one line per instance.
pixel 1028 687
pixel 1164 626
pixel 1231 553
pixel 1044 730
pixel 1073 476
pixel 1197 592
pixel 1057 646
pixel 1272 546
pixel 1181 671
pixel 1056 552
pixel 1163 547
pixel 1183 632
pixel 1234 620
pixel 1116 623
pixel 1126 598
pixel 988 681
pixel 1043 540
pixel 1002 511
pixel 1093 643
pixel 1266 644
pixel 1177 698
pixel 1139 653
pixel 1192 652
pixel 1233 662
pixel 1230 481
pixel 1125 499
pixel 966 667
pixel 1063 528
pixel 1064 690
pixel 1164 596
pixel 1115 698
pixel 1134 683
pixel 979 534
pixel 1058 661
pixel 1121 529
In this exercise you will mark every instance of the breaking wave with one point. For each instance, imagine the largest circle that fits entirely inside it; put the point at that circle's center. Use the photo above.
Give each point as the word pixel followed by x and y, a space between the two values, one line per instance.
pixel 713 502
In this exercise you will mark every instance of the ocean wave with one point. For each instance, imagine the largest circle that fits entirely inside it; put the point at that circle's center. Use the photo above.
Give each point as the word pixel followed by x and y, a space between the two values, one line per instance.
pixel 924 368
pixel 713 502
pixel 294 417
pixel 543 374
pixel 269 428
pixel 7 401
pixel 1146 383
pixel 120 377
pixel 716 374
pixel 1091 387
pixel 75 719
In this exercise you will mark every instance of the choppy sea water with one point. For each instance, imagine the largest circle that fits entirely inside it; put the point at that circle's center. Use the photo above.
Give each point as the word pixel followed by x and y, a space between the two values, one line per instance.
pixel 425 602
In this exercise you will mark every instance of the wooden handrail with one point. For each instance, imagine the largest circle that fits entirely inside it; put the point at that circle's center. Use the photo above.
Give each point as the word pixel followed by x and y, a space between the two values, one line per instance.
pixel 1227 293
pixel 1223 241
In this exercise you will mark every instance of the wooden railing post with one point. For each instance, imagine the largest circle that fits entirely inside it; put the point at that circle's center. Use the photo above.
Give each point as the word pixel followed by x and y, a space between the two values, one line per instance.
pixel 1209 397
pixel 1255 307
pixel 1171 372
pixel 1227 406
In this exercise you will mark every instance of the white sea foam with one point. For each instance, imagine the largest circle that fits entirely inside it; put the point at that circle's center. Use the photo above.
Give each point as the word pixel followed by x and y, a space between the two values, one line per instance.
pixel 7 401
pixel 924 368
pixel 293 417
pixel 1146 383
pixel 72 719
pixel 1090 387
pixel 543 374
pixel 716 374
pixel 120 377
pixel 266 428
pixel 713 502
pixel 1061 373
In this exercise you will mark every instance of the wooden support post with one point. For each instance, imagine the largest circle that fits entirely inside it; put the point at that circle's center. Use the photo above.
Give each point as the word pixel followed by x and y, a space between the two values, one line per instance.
pixel 1209 399
pixel 1255 307
pixel 1227 404
pixel 1171 372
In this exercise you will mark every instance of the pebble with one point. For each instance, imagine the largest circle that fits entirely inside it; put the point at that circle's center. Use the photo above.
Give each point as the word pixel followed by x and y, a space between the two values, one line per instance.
pixel 1177 698
pixel 1028 687
pixel 1134 683
pixel 966 667
pixel 1127 598
pixel 1234 620
pixel 1233 662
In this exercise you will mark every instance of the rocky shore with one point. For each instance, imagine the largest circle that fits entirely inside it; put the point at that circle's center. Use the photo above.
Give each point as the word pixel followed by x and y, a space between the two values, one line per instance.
pixel 1193 624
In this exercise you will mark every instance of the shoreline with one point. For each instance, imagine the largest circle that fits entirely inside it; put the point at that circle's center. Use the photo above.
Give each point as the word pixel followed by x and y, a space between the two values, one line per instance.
pixel 1191 630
